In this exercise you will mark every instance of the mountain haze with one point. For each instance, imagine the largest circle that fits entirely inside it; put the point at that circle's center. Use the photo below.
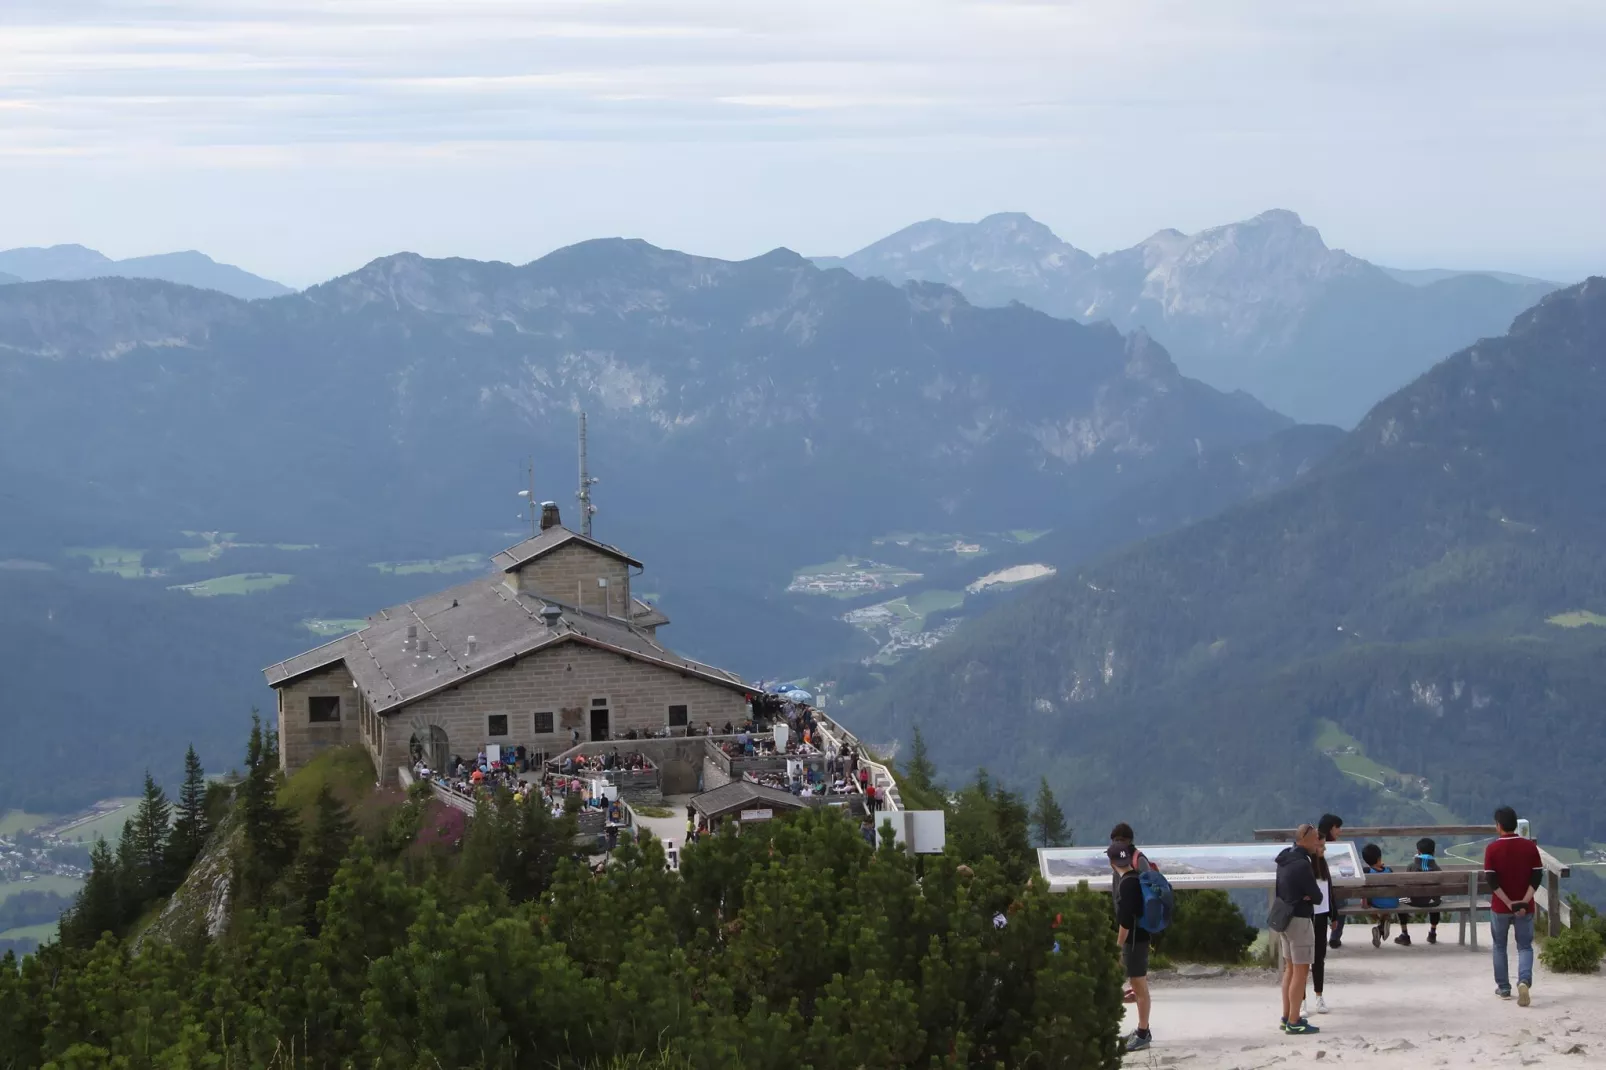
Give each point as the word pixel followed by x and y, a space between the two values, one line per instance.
pixel 747 418
pixel 1261 305
pixel 188 268
pixel 1414 587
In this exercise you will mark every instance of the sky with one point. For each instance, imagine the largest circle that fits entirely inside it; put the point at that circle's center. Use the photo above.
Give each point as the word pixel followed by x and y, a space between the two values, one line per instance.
pixel 303 138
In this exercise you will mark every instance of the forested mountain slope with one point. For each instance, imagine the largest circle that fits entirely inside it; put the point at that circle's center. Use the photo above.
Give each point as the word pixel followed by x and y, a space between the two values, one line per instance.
pixel 1404 589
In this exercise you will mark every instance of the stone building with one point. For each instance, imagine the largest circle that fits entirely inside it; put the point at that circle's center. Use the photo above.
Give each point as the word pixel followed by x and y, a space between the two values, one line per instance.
pixel 548 649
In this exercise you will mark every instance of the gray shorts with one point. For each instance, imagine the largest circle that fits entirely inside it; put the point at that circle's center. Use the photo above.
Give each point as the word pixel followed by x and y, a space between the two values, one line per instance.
pixel 1135 958
pixel 1298 942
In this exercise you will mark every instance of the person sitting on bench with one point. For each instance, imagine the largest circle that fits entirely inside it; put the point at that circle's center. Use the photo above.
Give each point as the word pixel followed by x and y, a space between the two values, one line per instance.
pixel 1424 862
pixel 1372 855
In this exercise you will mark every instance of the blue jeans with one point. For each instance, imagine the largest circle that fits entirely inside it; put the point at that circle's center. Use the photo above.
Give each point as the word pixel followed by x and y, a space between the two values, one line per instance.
pixel 1500 925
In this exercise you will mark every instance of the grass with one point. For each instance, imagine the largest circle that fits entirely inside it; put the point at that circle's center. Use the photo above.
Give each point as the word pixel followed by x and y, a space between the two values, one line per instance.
pixel 923 603
pixel 348 771
pixel 108 826
pixel 652 811
pixel 455 563
pixel 236 584
pixel 335 625
pixel 195 555
pixel 1333 739
pixel 844 568
pixel 1577 618
pixel 15 821
pixel 1025 535
pixel 295 546
pixel 841 564
pixel 118 560
pixel 45 882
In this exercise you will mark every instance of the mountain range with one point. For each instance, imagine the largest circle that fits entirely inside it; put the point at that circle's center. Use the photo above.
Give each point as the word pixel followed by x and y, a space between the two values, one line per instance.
pixel 1261 305
pixel 188 268
pixel 1427 598
pixel 746 418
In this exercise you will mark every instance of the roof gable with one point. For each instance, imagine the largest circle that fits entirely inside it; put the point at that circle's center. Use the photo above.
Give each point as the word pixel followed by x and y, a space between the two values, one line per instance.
pixel 521 554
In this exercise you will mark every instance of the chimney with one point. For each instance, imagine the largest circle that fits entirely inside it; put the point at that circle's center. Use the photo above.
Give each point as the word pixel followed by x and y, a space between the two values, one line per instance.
pixel 473 646
pixel 411 642
pixel 549 515
pixel 551 615
pixel 423 646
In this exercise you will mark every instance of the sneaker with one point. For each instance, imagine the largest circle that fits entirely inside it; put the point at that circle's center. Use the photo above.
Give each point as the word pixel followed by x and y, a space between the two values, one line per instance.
pixel 1523 999
pixel 1433 936
pixel 1300 1028
pixel 1404 939
pixel 1377 936
pixel 1335 943
pixel 1138 1040
pixel 1503 993
pixel 1321 1005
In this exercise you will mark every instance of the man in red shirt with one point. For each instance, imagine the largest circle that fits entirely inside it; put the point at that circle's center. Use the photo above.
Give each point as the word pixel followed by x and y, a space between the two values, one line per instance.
pixel 1513 864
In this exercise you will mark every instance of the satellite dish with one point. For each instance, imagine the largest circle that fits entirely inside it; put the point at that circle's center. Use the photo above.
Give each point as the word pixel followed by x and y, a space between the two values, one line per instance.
pixel 524 494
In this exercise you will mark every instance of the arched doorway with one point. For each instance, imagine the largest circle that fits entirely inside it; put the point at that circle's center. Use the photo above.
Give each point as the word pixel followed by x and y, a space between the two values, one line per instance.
pixel 429 743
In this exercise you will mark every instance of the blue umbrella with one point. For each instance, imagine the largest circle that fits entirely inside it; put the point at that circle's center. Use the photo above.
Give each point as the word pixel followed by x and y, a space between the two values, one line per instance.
pixel 797 694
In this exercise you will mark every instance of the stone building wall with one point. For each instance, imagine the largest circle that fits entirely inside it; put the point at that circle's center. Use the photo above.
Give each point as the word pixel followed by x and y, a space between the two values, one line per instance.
pixel 300 738
pixel 569 575
pixel 566 681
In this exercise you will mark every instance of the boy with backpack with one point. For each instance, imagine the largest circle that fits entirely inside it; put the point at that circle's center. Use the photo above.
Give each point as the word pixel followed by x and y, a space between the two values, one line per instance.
pixel 1132 909
pixel 1372 855
pixel 1424 862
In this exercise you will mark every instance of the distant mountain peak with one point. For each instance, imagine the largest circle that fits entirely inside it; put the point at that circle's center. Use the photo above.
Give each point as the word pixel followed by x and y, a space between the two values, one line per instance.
pixel 1262 304
pixel 188 268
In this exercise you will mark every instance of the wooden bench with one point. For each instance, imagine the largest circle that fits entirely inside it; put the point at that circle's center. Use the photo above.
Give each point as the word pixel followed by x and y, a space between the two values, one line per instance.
pixel 1463 890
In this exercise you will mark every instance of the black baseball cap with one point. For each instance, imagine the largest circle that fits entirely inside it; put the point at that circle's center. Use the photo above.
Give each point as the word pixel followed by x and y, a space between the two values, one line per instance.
pixel 1120 853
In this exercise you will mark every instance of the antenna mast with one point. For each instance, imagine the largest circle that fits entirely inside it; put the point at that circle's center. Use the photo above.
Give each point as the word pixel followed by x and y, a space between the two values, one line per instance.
pixel 529 496
pixel 586 483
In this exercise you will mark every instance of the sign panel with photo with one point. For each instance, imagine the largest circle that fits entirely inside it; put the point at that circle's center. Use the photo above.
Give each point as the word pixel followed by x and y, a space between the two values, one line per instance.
pixel 1199 865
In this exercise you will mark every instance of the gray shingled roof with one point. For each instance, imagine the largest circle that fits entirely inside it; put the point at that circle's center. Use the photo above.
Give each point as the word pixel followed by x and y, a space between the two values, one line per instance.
pixel 549 540
pixel 504 624
pixel 741 793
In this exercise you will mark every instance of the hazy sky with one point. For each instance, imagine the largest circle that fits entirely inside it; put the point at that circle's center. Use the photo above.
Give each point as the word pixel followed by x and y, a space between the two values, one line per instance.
pixel 301 138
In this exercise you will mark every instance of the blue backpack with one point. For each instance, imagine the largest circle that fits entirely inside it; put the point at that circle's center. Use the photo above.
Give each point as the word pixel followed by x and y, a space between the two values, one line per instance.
pixel 1159 902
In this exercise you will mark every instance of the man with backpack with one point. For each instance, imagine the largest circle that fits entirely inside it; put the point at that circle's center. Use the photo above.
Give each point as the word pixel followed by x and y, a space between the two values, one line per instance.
pixel 1132 937
pixel 1291 919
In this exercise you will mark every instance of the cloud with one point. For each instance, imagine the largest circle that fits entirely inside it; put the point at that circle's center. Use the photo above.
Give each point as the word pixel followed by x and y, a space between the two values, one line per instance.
pixel 1202 109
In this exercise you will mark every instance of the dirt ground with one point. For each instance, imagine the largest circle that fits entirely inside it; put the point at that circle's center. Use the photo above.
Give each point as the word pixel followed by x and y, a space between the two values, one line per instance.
pixel 1418 1006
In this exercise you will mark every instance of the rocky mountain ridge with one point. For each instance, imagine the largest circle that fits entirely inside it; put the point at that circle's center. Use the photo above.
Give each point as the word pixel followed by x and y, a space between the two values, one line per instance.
pixel 1262 305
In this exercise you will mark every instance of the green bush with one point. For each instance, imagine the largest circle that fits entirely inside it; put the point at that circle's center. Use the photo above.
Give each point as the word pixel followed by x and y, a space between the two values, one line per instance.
pixel 1573 951
pixel 1207 927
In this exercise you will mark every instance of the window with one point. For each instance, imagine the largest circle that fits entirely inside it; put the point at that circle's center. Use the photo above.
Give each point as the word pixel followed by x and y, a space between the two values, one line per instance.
pixel 322 709
pixel 496 725
pixel 677 717
pixel 543 721
pixel 596 702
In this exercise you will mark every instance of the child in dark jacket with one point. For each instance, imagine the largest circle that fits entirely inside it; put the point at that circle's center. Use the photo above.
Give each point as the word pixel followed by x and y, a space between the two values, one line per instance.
pixel 1372 855
pixel 1424 862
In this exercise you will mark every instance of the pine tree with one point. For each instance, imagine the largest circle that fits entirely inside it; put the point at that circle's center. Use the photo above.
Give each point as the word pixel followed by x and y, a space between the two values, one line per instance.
pixel 130 895
pixel 150 825
pixel 919 772
pixel 98 908
pixel 268 832
pixel 1048 820
pixel 190 826
pixel 322 851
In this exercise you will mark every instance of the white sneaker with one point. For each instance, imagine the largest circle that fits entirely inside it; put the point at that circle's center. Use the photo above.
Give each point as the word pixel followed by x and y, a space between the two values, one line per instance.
pixel 1321 1005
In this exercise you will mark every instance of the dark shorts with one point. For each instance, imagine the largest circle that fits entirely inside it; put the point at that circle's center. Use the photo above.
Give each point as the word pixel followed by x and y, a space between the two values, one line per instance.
pixel 1135 958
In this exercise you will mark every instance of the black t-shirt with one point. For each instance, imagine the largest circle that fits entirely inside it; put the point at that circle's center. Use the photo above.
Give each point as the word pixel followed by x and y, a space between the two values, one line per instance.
pixel 1129 908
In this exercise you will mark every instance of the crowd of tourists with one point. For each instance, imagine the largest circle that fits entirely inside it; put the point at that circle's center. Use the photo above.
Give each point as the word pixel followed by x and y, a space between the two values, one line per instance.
pixel 611 761
pixel 1307 921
